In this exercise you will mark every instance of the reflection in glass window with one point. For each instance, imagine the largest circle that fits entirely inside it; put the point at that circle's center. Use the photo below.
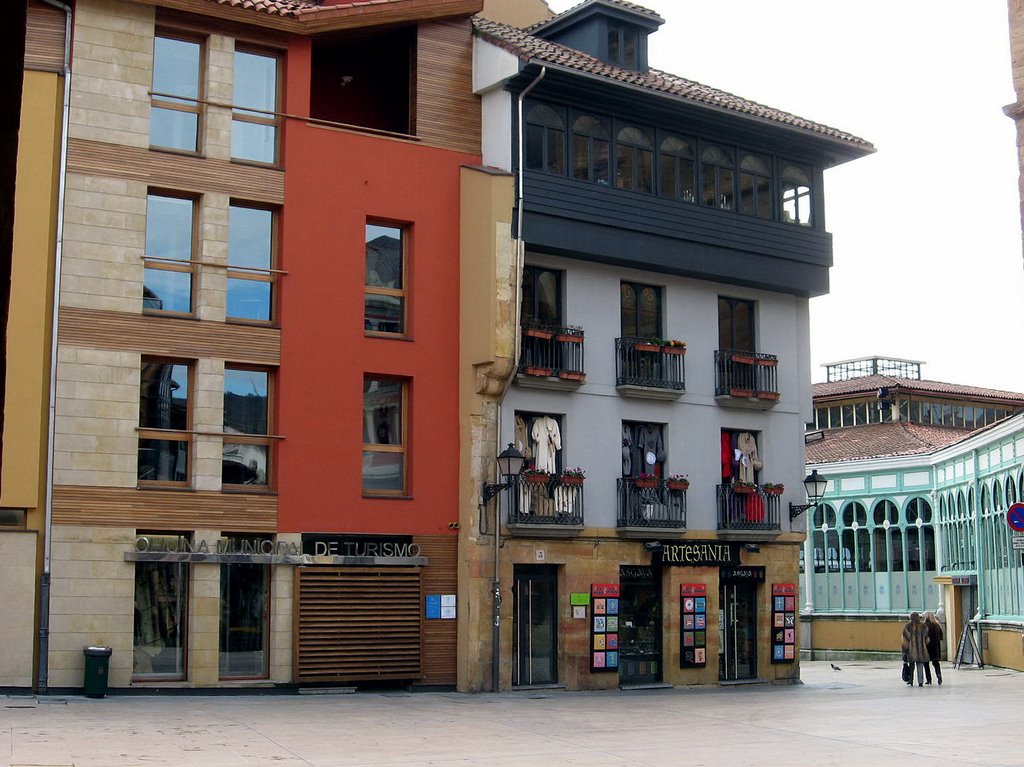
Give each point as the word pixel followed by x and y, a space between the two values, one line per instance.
pixel 254 119
pixel 170 233
pixel 634 160
pixel 736 328
pixel 542 304
pixel 243 626
pixel 590 149
pixel 796 195
pixel 174 115
pixel 250 261
pixel 245 455
pixel 164 422
pixel 385 291
pixel 384 449
pixel 755 187
pixel 676 170
pixel 717 169
pixel 545 139
pixel 160 610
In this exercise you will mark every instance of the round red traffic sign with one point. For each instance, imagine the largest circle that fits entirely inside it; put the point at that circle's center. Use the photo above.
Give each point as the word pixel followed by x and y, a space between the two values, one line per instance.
pixel 1015 517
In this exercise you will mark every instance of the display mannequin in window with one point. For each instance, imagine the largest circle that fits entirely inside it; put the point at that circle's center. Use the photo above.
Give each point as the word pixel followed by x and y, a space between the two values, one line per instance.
pixel 747 460
pixel 547 441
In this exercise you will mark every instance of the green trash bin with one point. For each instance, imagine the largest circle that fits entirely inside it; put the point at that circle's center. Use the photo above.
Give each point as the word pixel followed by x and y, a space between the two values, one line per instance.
pixel 97 669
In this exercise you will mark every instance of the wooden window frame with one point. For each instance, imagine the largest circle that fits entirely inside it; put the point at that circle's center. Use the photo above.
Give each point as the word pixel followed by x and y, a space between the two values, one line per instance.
pixel 255 274
pixel 257 116
pixel 401 293
pixel 638 288
pixel 550 143
pixel 170 435
pixel 757 195
pixel 402 448
pixel 185 571
pixel 629 154
pixel 712 177
pixel 174 264
pixel 168 101
pixel 265 440
pixel 791 194
pixel 677 158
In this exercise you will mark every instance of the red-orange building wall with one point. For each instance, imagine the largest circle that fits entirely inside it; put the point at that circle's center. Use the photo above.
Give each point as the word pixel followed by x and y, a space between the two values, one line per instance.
pixel 335 181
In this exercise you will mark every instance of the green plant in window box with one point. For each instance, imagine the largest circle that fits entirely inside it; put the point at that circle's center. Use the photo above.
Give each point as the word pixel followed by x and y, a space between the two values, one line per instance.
pixel 677 482
pixel 573 476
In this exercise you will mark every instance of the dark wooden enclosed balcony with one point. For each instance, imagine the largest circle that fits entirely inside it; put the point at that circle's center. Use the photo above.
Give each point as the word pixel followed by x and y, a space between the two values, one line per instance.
pixel 748 509
pixel 550 503
pixel 552 357
pixel 646 369
pixel 747 379
pixel 651 504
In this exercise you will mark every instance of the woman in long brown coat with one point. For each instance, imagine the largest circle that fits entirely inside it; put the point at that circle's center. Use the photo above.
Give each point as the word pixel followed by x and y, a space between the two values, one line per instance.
pixel 915 646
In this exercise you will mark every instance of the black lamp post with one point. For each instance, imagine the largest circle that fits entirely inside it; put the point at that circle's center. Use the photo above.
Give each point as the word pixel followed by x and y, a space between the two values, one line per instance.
pixel 510 462
pixel 815 485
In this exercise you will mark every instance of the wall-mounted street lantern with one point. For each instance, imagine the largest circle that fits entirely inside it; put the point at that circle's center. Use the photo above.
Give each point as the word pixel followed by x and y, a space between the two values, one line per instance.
pixel 510 462
pixel 815 485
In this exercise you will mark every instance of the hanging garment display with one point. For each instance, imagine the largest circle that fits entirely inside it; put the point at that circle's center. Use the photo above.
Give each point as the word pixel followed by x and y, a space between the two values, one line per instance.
pixel 627 451
pixel 521 438
pixel 651 448
pixel 547 441
pixel 747 459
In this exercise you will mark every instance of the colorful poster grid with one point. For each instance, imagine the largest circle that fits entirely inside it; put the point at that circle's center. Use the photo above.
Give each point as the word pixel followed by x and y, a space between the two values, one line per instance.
pixel 693 600
pixel 784 622
pixel 604 627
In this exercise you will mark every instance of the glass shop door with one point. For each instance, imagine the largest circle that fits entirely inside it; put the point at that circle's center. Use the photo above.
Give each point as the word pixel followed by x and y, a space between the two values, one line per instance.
pixel 535 625
pixel 737 644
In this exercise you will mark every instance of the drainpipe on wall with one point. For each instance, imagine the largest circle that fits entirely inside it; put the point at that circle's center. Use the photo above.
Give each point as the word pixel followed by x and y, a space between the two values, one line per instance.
pixel 520 258
pixel 44 578
pixel 979 554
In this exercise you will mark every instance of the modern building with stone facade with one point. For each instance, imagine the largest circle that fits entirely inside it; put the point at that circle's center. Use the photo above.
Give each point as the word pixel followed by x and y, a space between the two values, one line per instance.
pixel 646 350
pixel 255 472
pixel 922 477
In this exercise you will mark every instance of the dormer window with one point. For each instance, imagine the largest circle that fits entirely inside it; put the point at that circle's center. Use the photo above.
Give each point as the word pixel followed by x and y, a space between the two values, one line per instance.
pixel 622 47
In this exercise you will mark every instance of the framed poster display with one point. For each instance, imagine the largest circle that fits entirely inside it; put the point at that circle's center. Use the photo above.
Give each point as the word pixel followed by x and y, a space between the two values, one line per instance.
pixel 783 623
pixel 693 602
pixel 604 627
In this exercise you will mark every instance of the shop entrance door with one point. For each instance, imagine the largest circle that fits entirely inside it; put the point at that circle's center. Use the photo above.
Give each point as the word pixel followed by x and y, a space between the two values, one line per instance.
pixel 535 625
pixel 639 625
pixel 737 641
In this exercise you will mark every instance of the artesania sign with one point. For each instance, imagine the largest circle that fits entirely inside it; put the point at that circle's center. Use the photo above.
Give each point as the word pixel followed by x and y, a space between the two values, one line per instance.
pixel 700 553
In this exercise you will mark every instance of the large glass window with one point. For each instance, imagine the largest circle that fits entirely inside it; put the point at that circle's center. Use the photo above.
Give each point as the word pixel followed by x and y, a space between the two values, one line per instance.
pixel 717 168
pixel 170 239
pixel 165 439
pixel 244 602
pixel 622 47
pixel 755 186
pixel 545 139
pixel 254 119
pixel 676 170
pixel 384 436
pixel 796 195
pixel 634 160
pixel 251 278
pixel 161 598
pixel 245 458
pixel 640 310
pixel 176 109
pixel 590 149
pixel 736 325
pixel 385 284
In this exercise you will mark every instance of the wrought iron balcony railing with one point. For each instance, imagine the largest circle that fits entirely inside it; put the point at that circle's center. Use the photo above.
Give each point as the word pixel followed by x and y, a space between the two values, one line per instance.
pixel 638 362
pixel 746 375
pixel 544 501
pixel 747 508
pixel 651 503
pixel 551 351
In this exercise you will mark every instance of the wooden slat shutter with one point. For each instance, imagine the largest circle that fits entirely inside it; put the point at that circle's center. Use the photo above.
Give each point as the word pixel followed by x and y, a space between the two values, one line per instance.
pixel 44 38
pixel 357 624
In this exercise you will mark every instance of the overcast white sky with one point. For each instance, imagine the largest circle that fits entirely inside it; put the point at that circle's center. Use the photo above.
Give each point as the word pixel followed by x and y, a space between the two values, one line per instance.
pixel 927 240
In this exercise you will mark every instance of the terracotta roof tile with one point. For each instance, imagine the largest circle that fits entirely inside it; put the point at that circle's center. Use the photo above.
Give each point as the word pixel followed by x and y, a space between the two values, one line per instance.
pixel 531 48
pixel 881 440
pixel 297 8
pixel 871 384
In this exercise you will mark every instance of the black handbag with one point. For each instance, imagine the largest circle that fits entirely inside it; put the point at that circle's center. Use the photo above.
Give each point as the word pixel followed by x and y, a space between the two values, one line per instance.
pixel 908 672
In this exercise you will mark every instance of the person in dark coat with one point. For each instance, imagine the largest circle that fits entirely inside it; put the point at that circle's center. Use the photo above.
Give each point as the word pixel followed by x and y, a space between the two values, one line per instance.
pixel 915 646
pixel 934 647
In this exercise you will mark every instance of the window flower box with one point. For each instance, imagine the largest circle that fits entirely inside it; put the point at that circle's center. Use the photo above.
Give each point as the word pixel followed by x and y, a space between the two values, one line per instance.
pixel 744 488
pixel 645 480
pixel 677 484
pixel 536 477
pixel 742 393
pixel 545 335
pixel 768 362
pixel 572 375
pixel 742 359
pixel 772 395
pixel 573 476
pixel 773 489
pixel 643 346
pixel 538 371
pixel 569 338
